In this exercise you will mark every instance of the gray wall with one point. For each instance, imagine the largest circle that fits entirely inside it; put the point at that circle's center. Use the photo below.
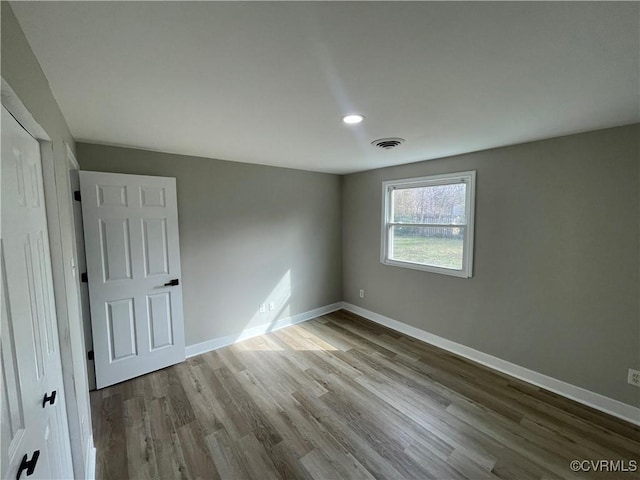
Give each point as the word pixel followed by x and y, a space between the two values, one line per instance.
pixel 249 234
pixel 21 70
pixel 555 286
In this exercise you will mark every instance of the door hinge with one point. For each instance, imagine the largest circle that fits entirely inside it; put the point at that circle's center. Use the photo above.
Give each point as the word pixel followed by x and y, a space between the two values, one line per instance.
pixel 90 354
pixel 84 277
pixel 76 196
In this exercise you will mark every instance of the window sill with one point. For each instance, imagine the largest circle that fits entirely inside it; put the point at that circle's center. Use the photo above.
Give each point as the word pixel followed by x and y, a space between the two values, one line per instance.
pixel 426 268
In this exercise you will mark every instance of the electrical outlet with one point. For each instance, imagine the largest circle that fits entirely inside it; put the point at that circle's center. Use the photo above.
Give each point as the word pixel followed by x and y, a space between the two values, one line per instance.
pixel 361 293
pixel 263 308
pixel 634 377
pixel 271 306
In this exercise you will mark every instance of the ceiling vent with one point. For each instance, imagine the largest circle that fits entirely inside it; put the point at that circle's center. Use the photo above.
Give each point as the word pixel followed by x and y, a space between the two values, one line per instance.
pixel 388 143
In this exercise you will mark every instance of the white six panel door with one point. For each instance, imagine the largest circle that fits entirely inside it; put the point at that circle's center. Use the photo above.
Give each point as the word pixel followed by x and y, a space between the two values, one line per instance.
pixel 32 421
pixel 133 255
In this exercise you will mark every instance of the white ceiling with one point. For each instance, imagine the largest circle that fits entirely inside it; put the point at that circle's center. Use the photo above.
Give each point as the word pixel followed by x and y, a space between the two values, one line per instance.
pixel 268 82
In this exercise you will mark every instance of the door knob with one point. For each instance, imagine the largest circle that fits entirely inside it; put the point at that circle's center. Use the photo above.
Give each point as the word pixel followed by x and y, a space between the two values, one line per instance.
pixel 173 283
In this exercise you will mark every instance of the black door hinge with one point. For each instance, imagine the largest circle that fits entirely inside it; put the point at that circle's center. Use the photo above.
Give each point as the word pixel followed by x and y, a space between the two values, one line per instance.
pixel 84 277
pixel 76 196
pixel 90 354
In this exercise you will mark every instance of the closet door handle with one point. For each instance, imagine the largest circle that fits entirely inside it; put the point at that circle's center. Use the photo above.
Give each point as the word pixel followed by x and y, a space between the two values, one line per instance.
pixel 173 283
pixel 51 399
pixel 28 465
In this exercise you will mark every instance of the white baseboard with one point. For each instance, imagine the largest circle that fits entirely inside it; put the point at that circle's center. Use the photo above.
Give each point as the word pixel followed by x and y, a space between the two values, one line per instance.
pixel 595 400
pixel 90 458
pixel 215 343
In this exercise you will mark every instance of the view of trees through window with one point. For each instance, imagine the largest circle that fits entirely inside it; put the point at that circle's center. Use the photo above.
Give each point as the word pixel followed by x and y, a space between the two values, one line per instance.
pixel 441 209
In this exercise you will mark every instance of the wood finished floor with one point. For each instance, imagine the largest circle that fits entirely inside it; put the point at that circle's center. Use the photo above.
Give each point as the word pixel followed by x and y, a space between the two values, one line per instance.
pixel 339 397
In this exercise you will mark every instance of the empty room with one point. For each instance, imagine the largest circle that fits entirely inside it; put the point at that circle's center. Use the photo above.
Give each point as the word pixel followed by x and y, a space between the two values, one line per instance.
pixel 320 240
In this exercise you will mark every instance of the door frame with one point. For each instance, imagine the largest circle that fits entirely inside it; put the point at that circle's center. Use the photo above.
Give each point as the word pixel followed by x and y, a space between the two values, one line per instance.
pixel 77 417
pixel 85 315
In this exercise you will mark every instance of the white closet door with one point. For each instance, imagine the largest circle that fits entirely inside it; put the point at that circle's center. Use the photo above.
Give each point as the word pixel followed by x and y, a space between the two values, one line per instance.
pixel 133 265
pixel 35 438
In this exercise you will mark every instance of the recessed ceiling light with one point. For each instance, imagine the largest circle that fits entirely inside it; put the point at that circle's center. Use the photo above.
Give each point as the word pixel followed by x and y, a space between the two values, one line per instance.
pixel 352 119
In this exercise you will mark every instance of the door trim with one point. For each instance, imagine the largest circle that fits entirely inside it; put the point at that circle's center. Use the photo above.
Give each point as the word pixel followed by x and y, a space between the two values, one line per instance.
pixel 16 108
pixel 85 318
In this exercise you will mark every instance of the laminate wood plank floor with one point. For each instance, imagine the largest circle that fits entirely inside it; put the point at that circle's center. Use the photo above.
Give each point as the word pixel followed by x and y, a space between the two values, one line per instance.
pixel 339 397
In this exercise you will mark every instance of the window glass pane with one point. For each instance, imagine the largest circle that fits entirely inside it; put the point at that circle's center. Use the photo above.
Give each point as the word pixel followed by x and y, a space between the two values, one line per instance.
pixel 434 246
pixel 433 204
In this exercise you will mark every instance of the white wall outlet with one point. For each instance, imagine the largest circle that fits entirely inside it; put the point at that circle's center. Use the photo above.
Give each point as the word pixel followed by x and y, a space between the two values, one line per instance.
pixel 263 308
pixel 361 293
pixel 271 306
pixel 634 377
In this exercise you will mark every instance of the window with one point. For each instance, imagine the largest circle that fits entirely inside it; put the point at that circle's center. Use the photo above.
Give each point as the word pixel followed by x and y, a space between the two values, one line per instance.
pixel 428 223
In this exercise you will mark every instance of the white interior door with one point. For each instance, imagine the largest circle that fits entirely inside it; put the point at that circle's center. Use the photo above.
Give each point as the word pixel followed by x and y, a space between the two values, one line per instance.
pixel 34 423
pixel 133 265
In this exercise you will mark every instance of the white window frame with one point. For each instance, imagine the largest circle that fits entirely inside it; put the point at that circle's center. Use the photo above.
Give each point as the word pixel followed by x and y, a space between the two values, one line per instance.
pixel 386 243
